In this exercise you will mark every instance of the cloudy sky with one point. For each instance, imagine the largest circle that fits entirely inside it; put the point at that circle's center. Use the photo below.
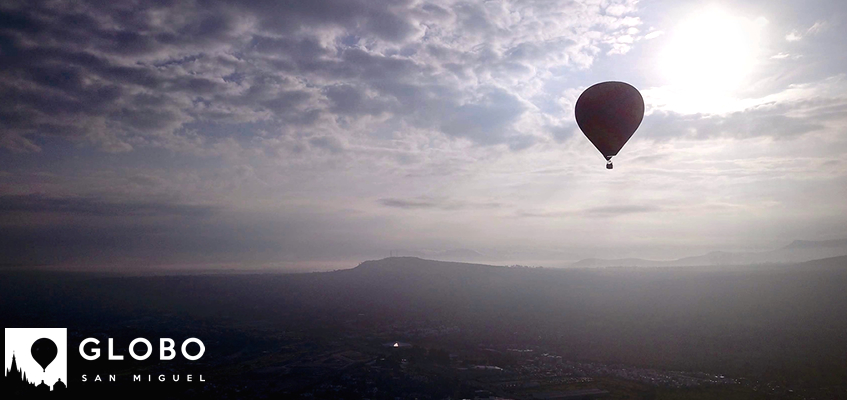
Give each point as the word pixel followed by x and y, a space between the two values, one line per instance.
pixel 323 133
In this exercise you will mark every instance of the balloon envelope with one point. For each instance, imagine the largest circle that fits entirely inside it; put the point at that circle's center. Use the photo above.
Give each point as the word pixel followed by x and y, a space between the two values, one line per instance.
pixel 608 113
pixel 44 352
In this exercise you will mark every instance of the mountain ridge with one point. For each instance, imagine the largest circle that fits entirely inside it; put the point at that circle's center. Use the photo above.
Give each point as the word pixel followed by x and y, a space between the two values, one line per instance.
pixel 795 252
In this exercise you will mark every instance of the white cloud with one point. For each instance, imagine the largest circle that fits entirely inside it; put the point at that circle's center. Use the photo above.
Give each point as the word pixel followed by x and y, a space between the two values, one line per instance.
pixel 653 35
pixel 815 29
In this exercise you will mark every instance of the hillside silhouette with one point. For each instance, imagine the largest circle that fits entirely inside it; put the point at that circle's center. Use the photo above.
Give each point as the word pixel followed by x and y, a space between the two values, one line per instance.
pixel 797 251
pixel 782 322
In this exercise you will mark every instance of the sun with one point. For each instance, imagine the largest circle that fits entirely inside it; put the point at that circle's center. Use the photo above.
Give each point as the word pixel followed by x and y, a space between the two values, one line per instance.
pixel 710 56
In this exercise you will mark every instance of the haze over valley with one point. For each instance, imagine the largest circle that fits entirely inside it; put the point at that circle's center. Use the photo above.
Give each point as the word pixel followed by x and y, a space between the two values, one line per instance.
pixel 773 331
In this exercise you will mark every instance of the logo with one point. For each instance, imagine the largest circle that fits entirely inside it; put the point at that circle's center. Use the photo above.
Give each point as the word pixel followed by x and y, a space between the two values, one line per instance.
pixel 36 361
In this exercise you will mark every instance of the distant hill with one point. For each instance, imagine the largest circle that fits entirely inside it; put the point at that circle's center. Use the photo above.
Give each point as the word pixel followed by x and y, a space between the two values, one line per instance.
pixel 417 265
pixel 795 252
pixel 446 255
pixel 832 263
pixel 620 262
pixel 811 244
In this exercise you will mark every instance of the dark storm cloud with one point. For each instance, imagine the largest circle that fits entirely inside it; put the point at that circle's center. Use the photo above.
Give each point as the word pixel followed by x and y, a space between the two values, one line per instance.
pixel 98 208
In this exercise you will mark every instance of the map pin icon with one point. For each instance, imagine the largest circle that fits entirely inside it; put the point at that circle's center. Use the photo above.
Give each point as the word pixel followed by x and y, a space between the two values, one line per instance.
pixel 44 352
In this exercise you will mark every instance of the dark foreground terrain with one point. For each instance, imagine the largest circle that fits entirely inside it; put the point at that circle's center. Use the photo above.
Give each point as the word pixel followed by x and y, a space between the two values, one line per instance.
pixel 411 328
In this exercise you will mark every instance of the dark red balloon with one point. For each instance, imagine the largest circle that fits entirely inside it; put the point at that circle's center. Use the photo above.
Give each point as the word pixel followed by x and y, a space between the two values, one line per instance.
pixel 609 113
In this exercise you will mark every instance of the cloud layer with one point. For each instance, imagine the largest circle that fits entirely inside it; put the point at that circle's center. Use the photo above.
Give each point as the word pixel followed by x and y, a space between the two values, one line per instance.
pixel 126 75
pixel 357 126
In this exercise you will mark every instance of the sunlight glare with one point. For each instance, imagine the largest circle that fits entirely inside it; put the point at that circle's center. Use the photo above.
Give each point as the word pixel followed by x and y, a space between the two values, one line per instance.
pixel 709 57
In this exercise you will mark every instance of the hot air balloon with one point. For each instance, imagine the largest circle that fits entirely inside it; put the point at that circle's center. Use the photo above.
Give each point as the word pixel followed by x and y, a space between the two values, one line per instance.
pixel 608 113
pixel 44 351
